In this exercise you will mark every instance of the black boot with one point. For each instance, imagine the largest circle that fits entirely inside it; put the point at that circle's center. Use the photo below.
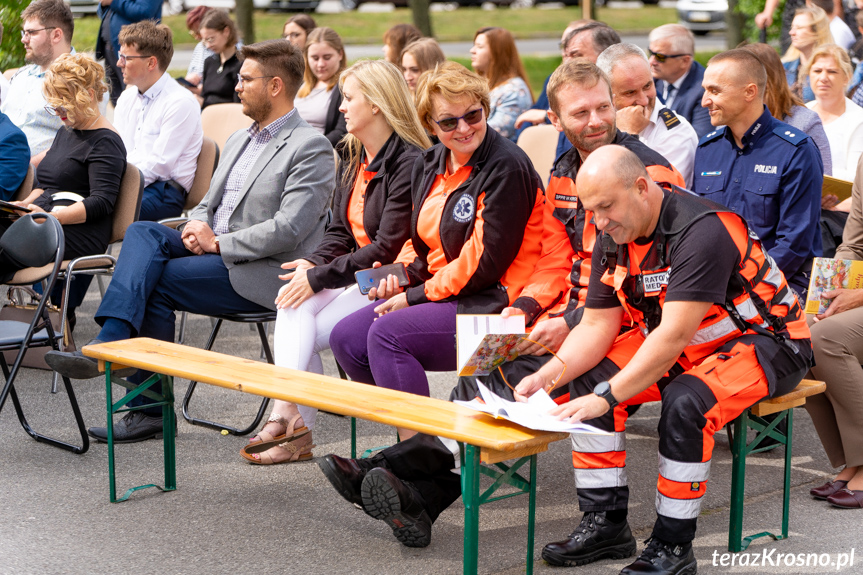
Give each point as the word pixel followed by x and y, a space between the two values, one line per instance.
pixel 595 538
pixel 347 475
pixel 399 505
pixel 661 558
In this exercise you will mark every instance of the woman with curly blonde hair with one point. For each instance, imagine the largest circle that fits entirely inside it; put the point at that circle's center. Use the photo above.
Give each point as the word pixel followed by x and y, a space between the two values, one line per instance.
pixel 79 179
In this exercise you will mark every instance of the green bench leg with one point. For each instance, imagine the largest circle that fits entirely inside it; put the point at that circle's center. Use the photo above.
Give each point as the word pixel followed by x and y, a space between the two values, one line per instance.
pixel 166 400
pixel 740 449
pixel 470 494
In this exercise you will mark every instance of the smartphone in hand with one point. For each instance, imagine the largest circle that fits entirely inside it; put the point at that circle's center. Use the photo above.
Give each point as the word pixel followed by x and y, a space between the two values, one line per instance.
pixel 371 277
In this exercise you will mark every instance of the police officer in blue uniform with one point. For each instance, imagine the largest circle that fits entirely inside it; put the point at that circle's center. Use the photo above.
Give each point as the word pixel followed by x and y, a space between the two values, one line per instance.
pixel 765 170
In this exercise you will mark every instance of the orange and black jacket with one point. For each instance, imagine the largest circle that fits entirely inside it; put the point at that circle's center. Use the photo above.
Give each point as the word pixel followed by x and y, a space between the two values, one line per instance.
pixel 490 228
pixel 559 283
pixel 386 213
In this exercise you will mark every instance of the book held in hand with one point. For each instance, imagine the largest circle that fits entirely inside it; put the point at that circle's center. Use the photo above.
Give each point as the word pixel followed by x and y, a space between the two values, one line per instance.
pixel 830 274
pixel 485 341
pixel 533 414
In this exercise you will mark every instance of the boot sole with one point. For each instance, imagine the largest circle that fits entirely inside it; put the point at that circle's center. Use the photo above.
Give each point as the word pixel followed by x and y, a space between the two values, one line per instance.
pixel 381 501
pixel 98 439
pixel 622 551
pixel 343 487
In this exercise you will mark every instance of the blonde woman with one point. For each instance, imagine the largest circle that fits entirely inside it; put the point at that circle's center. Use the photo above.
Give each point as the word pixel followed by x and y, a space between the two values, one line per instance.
pixel 419 56
pixel 371 222
pixel 829 73
pixel 319 97
pixel 79 179
pixel 810 29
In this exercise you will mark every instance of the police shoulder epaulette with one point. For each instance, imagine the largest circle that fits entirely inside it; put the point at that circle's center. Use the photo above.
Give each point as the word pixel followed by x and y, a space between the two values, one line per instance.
pixel 712 136
pixel 670 118
pixel 790 134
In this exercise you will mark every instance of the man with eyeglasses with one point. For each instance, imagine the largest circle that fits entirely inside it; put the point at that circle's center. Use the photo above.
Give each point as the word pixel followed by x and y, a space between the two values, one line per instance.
pixel 159 120
pixel 46 33
pixel 267 204
pixel 581 39
pixel 115 14
pixel 677 74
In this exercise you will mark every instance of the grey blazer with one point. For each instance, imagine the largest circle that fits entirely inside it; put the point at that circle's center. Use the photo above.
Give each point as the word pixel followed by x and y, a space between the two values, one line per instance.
pixel 281 211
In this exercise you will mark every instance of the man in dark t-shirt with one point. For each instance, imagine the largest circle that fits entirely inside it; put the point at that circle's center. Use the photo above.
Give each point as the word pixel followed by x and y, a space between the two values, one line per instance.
pixel 694 282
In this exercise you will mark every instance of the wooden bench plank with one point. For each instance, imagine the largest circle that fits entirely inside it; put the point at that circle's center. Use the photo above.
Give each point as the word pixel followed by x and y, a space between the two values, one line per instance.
pixel 794 398
pixel 387 406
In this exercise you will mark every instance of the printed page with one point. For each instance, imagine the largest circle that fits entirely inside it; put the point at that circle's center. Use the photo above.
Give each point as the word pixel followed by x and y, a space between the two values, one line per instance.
pixel 829 274
pixel 486 341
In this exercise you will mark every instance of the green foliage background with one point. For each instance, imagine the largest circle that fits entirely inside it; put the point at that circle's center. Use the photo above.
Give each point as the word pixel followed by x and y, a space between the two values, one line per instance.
pixel 11 48
pixel 749 8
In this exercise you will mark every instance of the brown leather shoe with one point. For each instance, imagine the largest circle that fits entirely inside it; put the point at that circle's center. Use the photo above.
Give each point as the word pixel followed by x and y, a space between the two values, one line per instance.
pixel 847 499
pixel 828 489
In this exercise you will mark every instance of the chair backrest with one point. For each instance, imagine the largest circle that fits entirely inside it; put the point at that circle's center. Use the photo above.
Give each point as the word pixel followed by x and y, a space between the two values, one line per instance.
pixel 208 159
pixel 540 144
pixel 219 121
pixel 32 243
pixel 27 185
pixel 128 204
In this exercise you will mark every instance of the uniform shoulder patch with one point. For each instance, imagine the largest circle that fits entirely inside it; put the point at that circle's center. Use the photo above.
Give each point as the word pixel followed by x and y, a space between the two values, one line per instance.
pixel 670 118
pixel 712 136
pixel 790 134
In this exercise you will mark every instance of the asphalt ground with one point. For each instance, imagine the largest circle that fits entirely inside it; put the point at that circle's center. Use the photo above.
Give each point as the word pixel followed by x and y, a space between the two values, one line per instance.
pixel 231 517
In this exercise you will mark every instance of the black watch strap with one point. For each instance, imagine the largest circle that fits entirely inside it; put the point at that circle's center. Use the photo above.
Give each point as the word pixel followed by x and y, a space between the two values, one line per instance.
pixel 603 390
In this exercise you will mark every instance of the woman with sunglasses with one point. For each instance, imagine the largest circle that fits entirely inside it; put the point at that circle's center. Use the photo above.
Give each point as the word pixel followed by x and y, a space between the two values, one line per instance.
pixel 474 241
pixel 495 58
pixel 79 179
pixel 371 211
pixel 220 70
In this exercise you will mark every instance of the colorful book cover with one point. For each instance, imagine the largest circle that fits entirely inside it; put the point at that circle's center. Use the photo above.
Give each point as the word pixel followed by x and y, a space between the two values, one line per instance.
pixel 829 274
pixel 486 341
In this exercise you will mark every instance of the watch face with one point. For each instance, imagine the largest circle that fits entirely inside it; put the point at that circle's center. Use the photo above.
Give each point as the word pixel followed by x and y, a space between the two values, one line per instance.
pixel 601 388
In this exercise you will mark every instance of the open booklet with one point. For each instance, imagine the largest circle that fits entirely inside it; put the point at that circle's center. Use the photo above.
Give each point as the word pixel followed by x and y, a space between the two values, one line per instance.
pixel 829 274
pixel 486 341
pixel 533 414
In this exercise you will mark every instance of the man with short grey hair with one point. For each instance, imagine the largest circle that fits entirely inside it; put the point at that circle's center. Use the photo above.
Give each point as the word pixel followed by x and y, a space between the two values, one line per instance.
pixel 678 76
pixel 634 98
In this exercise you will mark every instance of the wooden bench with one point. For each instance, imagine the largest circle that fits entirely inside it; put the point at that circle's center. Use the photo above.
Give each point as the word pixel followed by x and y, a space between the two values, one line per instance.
pixel 753 418
pixel 483 440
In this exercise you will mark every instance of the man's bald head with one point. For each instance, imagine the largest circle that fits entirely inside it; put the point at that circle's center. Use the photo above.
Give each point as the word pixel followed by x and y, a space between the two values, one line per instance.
pixel 744 66
pixel 614 184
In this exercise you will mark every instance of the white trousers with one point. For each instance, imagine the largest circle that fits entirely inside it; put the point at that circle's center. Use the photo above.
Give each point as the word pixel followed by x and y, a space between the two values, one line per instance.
pixel 302 333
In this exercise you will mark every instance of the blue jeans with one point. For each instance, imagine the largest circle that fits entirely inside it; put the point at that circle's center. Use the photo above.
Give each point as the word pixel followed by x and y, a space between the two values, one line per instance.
pixel 161 201
pixel 156 275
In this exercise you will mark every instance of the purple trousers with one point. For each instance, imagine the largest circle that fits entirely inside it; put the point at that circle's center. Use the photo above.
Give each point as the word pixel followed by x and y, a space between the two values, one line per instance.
pixel 396 349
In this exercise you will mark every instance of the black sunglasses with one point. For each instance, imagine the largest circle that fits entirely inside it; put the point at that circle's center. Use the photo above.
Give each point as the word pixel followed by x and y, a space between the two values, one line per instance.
pixel 661 58
pixel 450 124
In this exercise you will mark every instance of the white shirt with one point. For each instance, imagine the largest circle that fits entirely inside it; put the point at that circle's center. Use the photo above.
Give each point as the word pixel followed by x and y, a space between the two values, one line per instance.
pixel 161 129
pixel 845 135
pixel 842 34
pixel 673 93
pixel 4 85
pixel 677 143
pixel 313 108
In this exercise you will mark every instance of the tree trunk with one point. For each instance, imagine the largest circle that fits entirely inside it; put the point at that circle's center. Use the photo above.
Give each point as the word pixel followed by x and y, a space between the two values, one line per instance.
pixel 422 18
pixel 734 22
pixel 245 20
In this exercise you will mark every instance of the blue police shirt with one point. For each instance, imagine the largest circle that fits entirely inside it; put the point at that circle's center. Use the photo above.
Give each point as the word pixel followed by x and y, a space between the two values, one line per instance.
pixel 774 182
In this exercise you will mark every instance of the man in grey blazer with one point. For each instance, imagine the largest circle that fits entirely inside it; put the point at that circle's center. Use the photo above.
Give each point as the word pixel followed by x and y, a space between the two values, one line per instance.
pixel 266 205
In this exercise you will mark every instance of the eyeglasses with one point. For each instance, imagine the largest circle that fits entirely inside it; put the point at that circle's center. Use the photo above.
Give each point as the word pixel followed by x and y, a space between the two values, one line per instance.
pixel 450 124
pixel 34 31
pixel 292 35
pixel 209 40
pixel 122 58
pixel 57 111
pixel 242 80
pixel 661 58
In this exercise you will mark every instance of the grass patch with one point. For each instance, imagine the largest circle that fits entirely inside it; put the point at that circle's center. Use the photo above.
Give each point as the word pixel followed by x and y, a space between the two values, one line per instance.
pixel 458 25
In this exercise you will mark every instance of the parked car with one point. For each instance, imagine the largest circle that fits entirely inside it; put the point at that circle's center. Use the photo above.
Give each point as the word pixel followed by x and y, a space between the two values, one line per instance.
pixel 702 16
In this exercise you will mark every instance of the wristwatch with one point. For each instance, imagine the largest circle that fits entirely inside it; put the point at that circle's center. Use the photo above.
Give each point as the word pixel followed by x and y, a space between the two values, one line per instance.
pixel 603 390
pixel 218 247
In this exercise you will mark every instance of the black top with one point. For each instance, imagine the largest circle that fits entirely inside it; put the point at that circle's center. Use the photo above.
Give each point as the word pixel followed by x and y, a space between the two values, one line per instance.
pixel 218 81
pixel 334 126
pixel 90 163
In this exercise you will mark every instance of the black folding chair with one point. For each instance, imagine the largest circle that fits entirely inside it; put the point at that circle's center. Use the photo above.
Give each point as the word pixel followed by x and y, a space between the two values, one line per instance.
pixel 260 320
pixel 39 247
